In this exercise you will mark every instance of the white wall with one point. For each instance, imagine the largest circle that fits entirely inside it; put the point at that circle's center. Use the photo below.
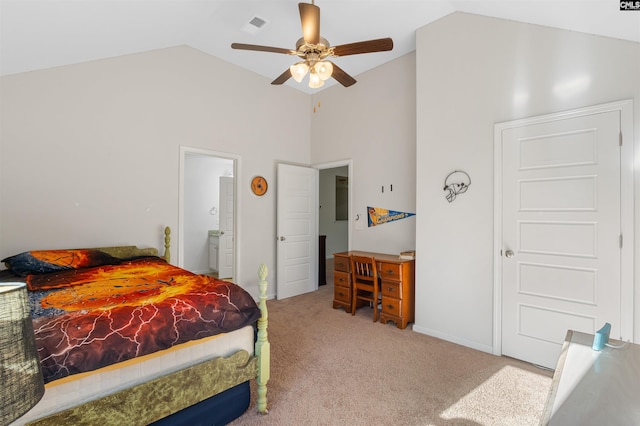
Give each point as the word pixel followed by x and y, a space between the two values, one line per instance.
pixel 473 72
pixel 373 124
pixel 90 152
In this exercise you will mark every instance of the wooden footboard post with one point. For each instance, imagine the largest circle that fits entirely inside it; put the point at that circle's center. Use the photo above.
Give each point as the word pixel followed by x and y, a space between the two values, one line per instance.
pixel 263 348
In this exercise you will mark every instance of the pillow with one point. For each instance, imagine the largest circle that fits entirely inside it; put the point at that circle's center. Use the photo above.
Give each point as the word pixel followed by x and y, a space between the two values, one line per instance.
pixel 44 261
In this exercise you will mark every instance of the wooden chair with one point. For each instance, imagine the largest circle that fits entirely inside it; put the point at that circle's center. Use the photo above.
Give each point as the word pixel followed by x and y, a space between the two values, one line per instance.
pixel 365 284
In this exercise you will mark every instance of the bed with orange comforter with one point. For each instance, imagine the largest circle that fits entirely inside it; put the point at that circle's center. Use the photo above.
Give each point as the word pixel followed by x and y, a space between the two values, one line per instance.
pixel 91 310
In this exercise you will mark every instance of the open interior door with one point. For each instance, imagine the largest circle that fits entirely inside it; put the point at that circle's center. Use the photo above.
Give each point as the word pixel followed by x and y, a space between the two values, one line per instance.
pixel 297 228
pixel 227 239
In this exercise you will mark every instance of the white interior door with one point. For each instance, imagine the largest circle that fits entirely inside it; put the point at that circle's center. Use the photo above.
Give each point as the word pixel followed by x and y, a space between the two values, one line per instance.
pixel 297 227
pixel 561 231
pixel 227 240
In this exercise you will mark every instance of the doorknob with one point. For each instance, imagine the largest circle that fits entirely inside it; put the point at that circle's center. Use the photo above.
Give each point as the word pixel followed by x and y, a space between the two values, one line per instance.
pixel 509 253
pixel 282 238
pixel 221 232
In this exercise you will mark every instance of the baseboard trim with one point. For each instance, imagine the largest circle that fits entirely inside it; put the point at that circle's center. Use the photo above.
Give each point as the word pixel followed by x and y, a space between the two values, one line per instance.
pixel 453 339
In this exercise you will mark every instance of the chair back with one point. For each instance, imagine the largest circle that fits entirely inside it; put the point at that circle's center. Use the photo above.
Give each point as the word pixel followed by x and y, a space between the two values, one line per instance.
pixel 363 271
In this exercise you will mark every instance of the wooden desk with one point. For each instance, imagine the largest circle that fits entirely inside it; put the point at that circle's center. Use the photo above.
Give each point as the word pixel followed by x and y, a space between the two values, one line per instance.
pixel 398 285
pixel 594 387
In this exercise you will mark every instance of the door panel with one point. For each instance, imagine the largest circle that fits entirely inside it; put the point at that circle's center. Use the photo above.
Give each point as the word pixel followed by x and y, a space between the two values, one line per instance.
pixel 558 282
pixel 558 238
pixel 561 219
pixel 227 239
pixel 558 194
pixel 297 230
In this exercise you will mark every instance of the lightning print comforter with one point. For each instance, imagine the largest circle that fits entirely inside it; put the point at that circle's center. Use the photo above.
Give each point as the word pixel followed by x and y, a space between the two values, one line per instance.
pixel 86 318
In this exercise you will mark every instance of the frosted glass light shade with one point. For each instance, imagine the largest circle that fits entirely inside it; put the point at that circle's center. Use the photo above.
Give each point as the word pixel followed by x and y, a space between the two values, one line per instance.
pixel 315 81
pixel 20 372
pixel 298 71
pixel 324 69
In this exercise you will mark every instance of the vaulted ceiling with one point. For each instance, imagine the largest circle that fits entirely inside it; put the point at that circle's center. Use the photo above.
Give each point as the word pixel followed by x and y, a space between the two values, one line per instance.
pixel 38 34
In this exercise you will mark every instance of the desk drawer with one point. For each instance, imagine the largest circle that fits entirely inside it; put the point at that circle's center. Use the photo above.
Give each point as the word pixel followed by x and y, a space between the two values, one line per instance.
pixel 390 271
pixel 341 263
pixel 341 279
pixel 391 289
pixel 391 306
pixel 342 294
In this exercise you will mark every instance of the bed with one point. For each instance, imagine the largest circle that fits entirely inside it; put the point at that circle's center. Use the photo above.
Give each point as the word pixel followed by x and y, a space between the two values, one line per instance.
pixel 126 337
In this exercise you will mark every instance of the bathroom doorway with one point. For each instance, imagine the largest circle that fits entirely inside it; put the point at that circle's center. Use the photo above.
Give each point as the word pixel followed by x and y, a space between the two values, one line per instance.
pixel 207 203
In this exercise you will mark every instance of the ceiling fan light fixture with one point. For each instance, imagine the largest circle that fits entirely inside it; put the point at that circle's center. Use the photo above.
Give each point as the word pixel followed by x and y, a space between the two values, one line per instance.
pixel 324 69
pixel 315 82
pixel 313 49
pixel 299 70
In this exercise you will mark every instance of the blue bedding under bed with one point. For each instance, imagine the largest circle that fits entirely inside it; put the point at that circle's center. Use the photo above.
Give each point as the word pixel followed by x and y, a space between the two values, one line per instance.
pixel 217 410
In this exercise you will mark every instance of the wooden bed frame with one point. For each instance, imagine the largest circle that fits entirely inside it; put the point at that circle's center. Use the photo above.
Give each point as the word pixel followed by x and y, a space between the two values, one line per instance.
pixel 177 391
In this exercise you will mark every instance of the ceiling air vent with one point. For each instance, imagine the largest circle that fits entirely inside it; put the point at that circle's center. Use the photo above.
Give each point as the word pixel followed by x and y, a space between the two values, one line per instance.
pixel 256 23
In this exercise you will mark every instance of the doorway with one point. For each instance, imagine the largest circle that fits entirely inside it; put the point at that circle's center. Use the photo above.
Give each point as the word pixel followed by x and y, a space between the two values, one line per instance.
pixel 298 273
pixel 335 207
pixel 207 196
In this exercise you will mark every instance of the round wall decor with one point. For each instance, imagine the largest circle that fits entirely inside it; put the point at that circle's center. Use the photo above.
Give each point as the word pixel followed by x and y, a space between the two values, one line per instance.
pixel 259 185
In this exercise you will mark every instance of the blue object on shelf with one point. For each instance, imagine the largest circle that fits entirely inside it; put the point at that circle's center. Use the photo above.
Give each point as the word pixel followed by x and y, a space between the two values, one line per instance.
pixel 601 337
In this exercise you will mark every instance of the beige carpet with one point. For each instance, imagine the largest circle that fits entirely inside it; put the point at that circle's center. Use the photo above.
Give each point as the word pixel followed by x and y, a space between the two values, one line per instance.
pixel 331 368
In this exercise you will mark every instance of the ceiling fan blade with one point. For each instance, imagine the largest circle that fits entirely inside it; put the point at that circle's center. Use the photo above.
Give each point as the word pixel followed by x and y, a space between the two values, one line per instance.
pixel 342 77
pixel 310 19
pixel 369 46
pixel 282 77
pixel 258 48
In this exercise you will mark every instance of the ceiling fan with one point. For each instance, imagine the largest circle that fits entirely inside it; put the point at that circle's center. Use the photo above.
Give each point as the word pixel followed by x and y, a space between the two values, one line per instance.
pixel 314 51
